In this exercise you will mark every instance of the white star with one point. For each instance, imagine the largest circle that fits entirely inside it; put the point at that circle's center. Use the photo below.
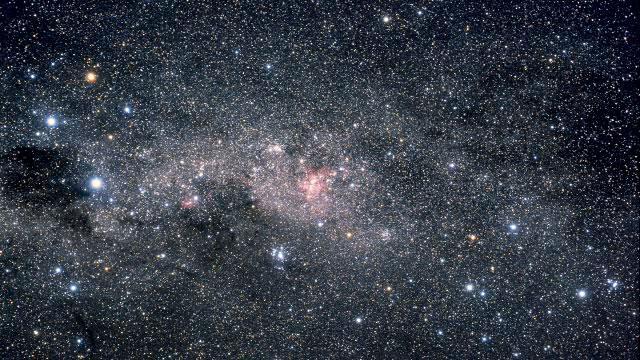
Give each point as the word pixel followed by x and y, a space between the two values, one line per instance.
pixel 51 121
pixel 96 183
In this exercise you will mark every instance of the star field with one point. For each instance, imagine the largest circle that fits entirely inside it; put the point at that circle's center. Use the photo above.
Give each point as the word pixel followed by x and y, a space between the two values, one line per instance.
pixel 319 180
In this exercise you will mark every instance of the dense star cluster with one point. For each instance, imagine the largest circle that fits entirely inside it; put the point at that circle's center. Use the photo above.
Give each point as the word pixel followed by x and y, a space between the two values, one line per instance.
pixel 319 179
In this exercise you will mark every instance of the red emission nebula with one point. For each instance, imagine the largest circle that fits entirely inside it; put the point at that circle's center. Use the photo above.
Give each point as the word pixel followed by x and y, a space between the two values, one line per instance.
pixel 314 186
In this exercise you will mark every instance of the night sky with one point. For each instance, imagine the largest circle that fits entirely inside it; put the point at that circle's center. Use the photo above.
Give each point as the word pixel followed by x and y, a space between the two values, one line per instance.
pixel 319 179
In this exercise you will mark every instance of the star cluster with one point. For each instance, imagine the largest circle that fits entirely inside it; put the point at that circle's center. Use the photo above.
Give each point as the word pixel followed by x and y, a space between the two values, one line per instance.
pixel 186 179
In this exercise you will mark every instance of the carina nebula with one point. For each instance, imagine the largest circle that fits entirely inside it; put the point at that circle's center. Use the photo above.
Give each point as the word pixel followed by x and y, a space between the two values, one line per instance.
pixel 312 179
pixel 300 191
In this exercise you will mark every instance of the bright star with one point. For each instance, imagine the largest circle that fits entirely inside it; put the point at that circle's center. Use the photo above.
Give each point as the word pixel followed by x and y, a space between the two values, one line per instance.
pixel 279 254
pixel 469 287
pixel 127 109
pixel 96 183
pixel 582 293
pixel 358 320
pixel 73 288
pixel 513 227
pixel 91 77
pixel 51 121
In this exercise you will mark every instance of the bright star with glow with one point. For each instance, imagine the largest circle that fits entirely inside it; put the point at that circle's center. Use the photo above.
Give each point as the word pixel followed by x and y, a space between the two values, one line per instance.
pixel 469 287
pixel 52 121
pixel 73 288
pixel 91 77
pixel 582 294
pixel 96 183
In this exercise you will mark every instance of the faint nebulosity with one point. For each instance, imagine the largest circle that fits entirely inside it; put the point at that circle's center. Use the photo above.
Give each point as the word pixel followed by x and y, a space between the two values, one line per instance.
pixel 319 179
